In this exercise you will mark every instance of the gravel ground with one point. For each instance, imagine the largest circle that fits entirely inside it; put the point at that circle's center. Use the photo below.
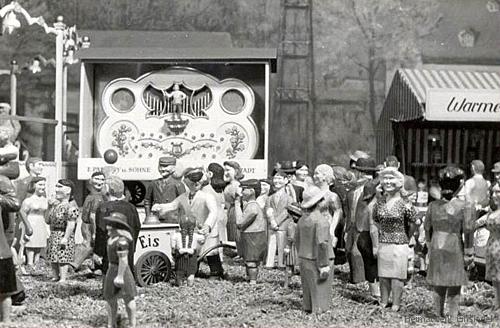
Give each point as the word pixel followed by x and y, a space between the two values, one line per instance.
pixel 233 302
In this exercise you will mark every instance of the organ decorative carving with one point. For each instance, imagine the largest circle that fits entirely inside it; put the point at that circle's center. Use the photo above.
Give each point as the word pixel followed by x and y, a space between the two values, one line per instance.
pixel 179 112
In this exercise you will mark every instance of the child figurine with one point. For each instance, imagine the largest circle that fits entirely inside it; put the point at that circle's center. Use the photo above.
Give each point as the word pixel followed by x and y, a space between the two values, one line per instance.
pixel 119 281
pixel 252 225
pixel 421 207
pixel 186 245
pixel 290 251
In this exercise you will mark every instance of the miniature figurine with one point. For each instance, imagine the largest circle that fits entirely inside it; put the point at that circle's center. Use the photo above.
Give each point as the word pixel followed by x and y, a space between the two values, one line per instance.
pixel 164 190
pixel 119 281
pixel 34 168
pixel 115 202
pixel 232 175
pixel 33 210
pixel 214 184
pixel 88 228
pixel 12 126
pixel 477 188
pixel 177 97
pixel 314 247
pixel 394 217
pixel 200 205
pixel 365 170
pixel 265 189
pixel 186 247
pixel 449 236
pixel 492 223
pixel 252 226
pixel 302 177
pixel 278 219
pixel 293 189
pixel 15 230
pixel 8 285
pixel 291 257
pixel 421 207
pixel 61 217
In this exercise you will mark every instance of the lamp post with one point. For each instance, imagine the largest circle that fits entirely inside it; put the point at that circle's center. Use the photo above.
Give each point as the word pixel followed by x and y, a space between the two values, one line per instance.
pixel 14 69
pixel 67 41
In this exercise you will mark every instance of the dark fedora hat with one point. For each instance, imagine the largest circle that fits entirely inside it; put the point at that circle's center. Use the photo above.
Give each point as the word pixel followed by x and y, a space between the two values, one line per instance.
pixel 251 184
pixel 366 165
pixel 117 219
pixel 288 167
pixel 193 173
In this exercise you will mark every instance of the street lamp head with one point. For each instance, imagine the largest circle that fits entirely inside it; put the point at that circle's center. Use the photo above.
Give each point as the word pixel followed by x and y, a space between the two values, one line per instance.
pixel 10 23
pixel 35 66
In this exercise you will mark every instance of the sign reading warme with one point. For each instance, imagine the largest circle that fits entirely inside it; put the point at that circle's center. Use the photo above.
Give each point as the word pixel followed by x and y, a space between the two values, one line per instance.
pixel 463 105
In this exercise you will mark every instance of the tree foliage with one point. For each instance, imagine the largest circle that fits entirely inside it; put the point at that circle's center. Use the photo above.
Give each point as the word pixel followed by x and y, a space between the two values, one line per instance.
pixel 371 35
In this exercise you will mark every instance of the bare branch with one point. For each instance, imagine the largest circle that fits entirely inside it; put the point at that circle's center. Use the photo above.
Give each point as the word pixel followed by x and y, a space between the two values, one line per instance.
pixel 356 61
pixel 358 20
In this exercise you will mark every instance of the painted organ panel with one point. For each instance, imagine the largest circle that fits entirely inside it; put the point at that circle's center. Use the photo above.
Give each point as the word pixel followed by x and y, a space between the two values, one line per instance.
pixel 180 112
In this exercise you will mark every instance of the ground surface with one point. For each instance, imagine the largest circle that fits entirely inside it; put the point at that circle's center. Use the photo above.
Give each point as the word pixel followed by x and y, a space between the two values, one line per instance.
pixel 234 302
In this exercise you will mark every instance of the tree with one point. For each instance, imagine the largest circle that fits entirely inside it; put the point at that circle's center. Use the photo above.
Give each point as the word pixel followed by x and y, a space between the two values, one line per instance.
pixel 373 35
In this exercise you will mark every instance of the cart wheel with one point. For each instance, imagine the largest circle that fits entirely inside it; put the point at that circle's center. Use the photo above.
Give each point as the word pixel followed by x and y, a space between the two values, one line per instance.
pixel 152 268
pixel 137 191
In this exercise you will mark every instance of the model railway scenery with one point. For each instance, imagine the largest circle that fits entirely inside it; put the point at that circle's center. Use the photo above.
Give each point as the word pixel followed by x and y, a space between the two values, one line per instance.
pixel 267 163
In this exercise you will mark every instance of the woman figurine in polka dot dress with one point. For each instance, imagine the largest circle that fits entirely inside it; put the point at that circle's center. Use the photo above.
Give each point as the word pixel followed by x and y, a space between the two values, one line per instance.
pixel 61 217
pixel 394 217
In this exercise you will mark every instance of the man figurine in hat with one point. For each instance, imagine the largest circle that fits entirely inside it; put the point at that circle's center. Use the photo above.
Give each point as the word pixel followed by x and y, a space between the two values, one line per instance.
pixel 365 169
pixel 353 157
pixel 202 207
pixel 314 248
pixel 292 188
pixel 252 225
pixel 164 190
pixel 119 281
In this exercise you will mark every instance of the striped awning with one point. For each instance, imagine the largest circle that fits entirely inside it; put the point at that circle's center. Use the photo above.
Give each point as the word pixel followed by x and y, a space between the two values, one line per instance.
pixel 407 97
pixel 421 80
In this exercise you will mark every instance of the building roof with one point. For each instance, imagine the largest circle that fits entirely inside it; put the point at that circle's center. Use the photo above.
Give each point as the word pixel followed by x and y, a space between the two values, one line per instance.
pixel 421 80
pixel 156 39
pixel 407 96
pixel 130 46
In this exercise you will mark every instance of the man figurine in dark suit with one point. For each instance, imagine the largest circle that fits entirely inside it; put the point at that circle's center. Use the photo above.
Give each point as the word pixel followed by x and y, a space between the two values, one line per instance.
pixel 164 190
pixel 293 190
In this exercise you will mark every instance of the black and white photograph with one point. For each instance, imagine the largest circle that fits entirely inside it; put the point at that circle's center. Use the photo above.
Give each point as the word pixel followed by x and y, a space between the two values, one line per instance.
pixel 249 163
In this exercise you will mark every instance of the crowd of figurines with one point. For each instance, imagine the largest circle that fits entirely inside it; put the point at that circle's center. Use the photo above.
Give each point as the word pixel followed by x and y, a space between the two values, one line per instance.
pixel 388 224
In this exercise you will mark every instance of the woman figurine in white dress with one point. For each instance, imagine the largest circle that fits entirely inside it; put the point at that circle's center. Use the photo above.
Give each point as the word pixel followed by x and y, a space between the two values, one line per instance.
pixel 33 210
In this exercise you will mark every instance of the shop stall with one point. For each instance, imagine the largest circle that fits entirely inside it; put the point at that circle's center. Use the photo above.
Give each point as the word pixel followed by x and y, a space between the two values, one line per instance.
pixel 432 118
